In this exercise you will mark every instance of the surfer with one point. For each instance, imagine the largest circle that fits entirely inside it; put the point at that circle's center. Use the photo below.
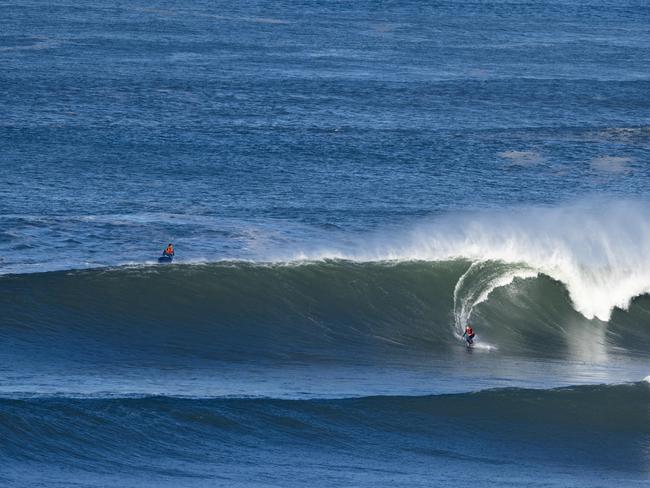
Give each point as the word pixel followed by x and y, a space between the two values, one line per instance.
pixel 468 335
pixel 169 251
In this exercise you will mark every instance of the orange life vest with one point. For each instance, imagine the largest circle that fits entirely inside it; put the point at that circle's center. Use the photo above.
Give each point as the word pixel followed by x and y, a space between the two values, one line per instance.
pixel 469 331
pixel 169 250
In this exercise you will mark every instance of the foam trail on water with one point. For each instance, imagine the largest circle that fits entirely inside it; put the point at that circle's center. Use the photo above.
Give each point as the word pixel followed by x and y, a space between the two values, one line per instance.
pixel 476 284
pixel 600 250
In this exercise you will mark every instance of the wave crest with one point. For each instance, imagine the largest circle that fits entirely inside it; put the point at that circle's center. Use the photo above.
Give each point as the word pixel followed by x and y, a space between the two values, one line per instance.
pixel 598 250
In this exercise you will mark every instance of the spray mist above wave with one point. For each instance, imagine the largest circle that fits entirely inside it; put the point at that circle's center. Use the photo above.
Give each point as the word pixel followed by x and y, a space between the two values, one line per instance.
pixel 599 250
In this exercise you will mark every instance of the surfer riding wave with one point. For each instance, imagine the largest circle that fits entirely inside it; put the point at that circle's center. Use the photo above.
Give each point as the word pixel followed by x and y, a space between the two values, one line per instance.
pixel 469 335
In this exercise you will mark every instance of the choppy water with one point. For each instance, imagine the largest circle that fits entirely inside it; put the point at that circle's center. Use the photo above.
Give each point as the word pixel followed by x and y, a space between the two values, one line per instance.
pixel 347 185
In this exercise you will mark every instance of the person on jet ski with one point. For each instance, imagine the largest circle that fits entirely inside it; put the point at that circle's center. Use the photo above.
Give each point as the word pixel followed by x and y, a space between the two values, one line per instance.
pixel 169 251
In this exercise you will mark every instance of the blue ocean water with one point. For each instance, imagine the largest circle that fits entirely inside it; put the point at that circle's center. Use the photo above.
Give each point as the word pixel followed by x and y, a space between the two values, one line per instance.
pixel 347 186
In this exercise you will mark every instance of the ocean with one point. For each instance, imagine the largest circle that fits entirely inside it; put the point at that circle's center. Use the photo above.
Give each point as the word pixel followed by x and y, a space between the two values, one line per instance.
pixel 348 185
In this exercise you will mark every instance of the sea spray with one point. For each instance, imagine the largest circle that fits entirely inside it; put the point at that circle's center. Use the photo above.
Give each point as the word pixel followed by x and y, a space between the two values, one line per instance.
pixel 599 249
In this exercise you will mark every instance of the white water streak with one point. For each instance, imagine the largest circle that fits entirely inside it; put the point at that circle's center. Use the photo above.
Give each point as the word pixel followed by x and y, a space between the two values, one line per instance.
pixel 471 290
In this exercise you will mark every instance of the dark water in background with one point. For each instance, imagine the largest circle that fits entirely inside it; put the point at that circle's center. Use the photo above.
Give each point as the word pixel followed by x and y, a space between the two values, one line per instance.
pixel 347 184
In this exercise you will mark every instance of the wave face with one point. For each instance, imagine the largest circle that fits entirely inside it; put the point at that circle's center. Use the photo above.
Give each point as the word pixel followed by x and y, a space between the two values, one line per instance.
pixel 322 310
pixel 237 310
pixel 590 433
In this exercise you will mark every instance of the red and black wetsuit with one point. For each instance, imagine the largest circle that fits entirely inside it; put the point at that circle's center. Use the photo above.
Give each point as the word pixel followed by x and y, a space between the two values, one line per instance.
pixel 469 334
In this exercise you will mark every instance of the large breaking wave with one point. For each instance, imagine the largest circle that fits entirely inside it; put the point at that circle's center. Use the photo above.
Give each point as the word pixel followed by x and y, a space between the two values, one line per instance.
pixel 565 281
pixel 326 310
pixel 599 250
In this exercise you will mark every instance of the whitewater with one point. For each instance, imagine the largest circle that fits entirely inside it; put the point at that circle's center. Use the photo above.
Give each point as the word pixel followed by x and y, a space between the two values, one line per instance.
pixel 598 249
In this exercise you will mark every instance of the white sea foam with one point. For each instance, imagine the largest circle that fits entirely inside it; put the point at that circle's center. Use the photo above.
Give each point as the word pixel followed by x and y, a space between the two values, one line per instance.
pixel 522 158
pixel 599 250
pixel 612 164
